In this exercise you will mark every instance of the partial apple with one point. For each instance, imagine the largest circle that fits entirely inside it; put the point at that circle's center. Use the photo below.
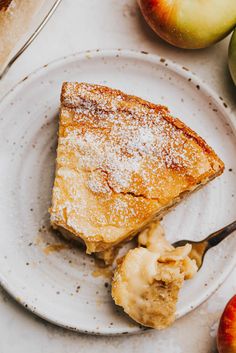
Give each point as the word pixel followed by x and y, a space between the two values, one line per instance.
pixel 226 337
pixel 190 24
pixel 232 56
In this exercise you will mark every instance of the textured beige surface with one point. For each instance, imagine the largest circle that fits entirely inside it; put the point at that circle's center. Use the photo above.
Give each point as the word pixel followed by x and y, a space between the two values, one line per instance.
pixel 107 24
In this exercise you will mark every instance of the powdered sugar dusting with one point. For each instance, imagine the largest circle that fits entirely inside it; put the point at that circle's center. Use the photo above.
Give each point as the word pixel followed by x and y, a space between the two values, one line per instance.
pixel 121 138
pixel 120 162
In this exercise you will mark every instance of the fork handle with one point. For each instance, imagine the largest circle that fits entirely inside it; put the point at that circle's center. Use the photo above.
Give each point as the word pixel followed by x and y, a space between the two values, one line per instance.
pixel 216 237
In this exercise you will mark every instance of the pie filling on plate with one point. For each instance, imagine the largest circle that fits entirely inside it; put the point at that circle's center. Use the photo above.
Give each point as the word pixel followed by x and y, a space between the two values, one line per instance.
pixel 122 162
pixel 148 278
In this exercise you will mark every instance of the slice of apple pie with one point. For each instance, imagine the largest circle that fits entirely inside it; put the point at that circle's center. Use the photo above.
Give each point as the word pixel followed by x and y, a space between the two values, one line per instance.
pixel 121 162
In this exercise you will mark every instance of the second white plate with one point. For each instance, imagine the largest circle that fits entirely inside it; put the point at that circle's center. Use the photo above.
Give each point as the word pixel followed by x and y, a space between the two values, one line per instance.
pixel 61 286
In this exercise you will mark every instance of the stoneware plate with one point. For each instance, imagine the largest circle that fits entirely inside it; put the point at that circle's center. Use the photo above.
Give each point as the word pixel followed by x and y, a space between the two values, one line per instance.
pixel 58 281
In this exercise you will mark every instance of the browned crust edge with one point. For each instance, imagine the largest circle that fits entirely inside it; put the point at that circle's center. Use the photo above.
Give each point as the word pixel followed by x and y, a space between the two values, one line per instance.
pixel 98 243
pixel 158 108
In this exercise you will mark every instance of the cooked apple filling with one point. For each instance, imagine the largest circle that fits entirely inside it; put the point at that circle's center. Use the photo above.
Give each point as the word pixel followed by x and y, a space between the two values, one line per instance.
pixel 147 281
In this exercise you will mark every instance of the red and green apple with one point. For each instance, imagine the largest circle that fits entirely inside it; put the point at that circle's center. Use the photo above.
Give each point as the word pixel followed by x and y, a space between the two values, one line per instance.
pixel 190 24
pixel 232 56
pixel 226 337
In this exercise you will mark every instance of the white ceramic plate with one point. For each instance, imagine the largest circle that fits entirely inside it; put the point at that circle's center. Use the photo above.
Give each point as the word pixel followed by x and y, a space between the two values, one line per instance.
pixel 59 285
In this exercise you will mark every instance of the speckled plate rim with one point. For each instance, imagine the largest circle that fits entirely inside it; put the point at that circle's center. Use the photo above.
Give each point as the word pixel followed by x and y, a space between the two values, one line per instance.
pixel 185 73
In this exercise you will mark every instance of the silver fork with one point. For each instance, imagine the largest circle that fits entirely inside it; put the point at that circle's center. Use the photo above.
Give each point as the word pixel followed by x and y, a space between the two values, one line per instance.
pixel 199 248
pixel 31 38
